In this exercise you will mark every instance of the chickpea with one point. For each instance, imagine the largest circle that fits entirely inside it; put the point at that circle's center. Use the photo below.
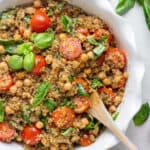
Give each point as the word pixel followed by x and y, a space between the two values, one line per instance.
pixel 39 125
pixel 75 64
pixel 62 36
pixel 30 10
pixel 67 86
pixel 117 100
pixel 17 37
pixel 81 36
pixel 112 109
pixel 63 147
pixel 25 95
pixel 49 59
pixel 27 82
pixel 84 57
pixel 102 75
pixel 13 89
pixel 2 50
pixel 19 83
pixel 9 110
pixel 107 81
pixel 87 71
pixel 27 33
pixel 3 66
pixel 37 4
pixel 84 122
pixel 90 55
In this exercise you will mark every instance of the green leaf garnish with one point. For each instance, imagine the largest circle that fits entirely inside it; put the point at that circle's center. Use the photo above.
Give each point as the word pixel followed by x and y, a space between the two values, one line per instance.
pixel 50 104
pixel 67 102
pixel 2 111
pixel 67 131
pixel 81 91
pixel 96 83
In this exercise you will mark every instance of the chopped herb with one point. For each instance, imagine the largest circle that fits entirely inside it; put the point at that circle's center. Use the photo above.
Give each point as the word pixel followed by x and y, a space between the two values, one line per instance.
pixel 67 131
pixel 40 94
pixel 5 15
pixel 2 112
pixel 115 116
pixel 142 115
pixel 55 88
pixel 27 18
pixel 81 91
pixel 69 24
pixel 60 5
pixel 67 102
pixel 71 78
pixel 92 41
pixel 92 125
pixel 50 12
pixel 26 113
pixel 50 104
pixel 44 119
pixel 96 83
pixel 98 51
pixel 58 55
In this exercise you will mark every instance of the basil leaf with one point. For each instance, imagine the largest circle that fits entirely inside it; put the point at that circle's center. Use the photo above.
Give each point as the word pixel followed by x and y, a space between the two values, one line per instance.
pixel 40 94
pixel 42 40
pixel 69 24
pixel 5 15
pixel 91 40
pixel 27 19
pixel 124 5
pixel 96 83
pixel 24 49
pixel 67 131
pixel 98 51
pixel 92 125
pixel 26 113
pixel 115 116
pixel 50 104
pixel 146 8
pixel 140 2
pixel 67 102
pixel 81 91
pixel 2 112
pixel 10 45
pixel 50 12
pixel 142 115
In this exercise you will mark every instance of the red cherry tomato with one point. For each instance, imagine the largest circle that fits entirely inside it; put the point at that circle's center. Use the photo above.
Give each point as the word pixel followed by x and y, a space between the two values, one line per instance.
pixel 31 135
pixel 40 21
pixel 81 104
pixel 70 48
pixel 39 65
pixel 83 82
pixel 63 117
pixel 6 132
pixel 85 140
pixel 107 91
pixel 6 82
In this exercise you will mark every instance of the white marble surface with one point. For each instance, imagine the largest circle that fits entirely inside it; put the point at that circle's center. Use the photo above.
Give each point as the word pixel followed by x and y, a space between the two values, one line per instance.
pixel 139 135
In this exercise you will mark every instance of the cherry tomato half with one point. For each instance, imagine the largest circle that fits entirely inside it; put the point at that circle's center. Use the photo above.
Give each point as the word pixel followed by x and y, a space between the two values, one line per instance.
pixel 82 30
pixel 63 117
pixel 83 82
pixel 6 82
pixel 30 135
pixel 81 104
pixel 39 65
pixel 70 48
pixel 6 132
pixel 107 91
pixel 40 21
pixel 85 140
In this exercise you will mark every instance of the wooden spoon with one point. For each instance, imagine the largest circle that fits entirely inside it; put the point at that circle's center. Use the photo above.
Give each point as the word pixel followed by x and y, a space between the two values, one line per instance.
pixel 98 110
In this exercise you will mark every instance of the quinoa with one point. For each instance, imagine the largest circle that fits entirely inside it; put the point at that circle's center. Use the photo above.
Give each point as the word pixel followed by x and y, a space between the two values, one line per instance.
pixel 71 66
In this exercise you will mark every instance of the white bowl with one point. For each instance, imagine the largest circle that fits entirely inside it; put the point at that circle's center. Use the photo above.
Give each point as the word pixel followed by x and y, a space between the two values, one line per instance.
pixel 125 38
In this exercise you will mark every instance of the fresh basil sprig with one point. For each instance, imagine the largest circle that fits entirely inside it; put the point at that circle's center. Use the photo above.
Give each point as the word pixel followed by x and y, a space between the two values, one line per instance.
pixel 142 115
pixel 124 6
pixel 40 94
pixel 69 24
pixel 42 40
pixel 2 112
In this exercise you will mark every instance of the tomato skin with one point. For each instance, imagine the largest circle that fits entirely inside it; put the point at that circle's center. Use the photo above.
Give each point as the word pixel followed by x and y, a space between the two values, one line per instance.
pixel 7 81
pixel 81 104
pixel 107 91
pixel 40 22
pixel 63 117
pixel 39 65
pixel 6 132
pixel 85 140
pixel 30 135
pixel 83 82
pixel 70 48
pixel 82 30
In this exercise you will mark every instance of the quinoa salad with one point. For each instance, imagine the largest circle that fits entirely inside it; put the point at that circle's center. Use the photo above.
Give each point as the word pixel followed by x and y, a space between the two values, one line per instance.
pixel 52 56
